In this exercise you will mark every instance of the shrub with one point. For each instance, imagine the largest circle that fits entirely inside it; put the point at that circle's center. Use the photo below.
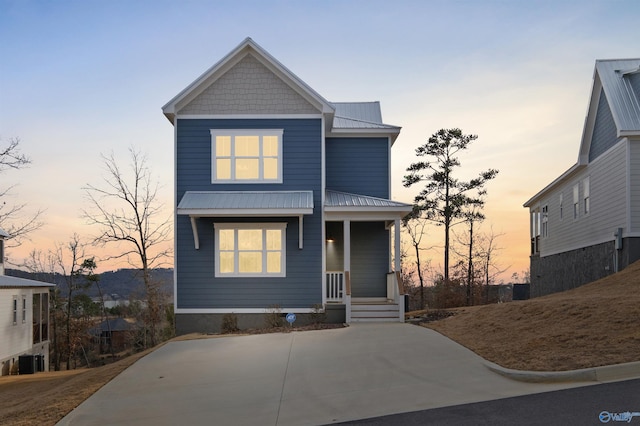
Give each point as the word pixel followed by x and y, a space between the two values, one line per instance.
pixel 318 315
pixel 229 323
pixel 273 317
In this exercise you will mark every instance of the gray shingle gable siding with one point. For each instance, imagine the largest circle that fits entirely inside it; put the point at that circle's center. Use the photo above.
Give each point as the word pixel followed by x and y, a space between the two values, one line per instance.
pixel 604 130
pixel 197 286
pixel 358 166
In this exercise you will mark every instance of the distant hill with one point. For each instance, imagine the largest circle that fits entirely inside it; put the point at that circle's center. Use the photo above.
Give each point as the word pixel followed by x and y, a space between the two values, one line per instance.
pixel 123 282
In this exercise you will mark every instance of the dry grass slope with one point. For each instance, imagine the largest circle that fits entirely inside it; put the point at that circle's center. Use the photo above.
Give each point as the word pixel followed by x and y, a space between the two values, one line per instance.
pixel 596 324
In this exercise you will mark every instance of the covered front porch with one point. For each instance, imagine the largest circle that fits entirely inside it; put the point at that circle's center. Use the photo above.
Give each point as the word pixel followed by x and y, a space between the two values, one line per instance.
pixel 362 257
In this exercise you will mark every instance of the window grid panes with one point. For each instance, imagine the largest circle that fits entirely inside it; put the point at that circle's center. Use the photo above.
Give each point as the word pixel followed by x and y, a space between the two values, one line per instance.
pixel 250 249
pixel 247 155
pixel 585 190
pixel 561 207
pixel 575 201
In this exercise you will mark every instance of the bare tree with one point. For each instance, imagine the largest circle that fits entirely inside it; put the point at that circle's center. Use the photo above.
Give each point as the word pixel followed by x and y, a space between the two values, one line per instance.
pixel 126 210
pixel 414 225
pixel 11 157
pixel 488 251
pixel 68 258
pixel 13 218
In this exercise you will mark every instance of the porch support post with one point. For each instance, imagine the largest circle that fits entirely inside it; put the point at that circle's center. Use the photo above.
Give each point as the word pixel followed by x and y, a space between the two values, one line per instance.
pixel 347 245
pixel 396 234
pixel 347 269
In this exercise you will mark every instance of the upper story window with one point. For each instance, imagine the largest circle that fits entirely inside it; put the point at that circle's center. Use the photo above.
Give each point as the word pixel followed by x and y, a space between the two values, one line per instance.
pixel 15 310
pixel 250 249
pixel 246 156
pixel 561 206
pixel 576 200
pixel 585 195
pixel 545 221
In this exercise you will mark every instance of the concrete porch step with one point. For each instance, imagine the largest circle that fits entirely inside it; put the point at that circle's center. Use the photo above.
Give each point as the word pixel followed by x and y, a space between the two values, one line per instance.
pixel 374 311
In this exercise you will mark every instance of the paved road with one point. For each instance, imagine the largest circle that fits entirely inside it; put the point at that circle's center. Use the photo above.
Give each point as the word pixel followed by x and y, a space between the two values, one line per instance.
pixel 579 406
pixel 313 377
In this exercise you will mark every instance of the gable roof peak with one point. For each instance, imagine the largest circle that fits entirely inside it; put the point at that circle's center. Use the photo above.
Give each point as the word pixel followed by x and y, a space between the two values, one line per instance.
pixel 247 47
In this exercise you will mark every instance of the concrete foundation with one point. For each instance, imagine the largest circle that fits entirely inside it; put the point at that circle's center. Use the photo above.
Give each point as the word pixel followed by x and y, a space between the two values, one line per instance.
pixel 571 269
pixel 212 323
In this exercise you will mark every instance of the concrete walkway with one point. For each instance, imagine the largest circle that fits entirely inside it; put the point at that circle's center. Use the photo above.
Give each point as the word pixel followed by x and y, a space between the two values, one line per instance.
pixel 299 378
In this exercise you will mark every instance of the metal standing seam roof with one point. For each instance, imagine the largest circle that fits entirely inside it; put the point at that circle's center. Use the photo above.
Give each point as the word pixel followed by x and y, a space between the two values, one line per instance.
pixel 359 115
pixel 615 75
pixel 14 282
pixel 347 200
pixel 623 100
pixel 246 202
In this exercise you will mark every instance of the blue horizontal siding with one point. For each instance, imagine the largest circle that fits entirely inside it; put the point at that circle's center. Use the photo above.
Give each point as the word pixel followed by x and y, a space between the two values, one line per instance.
pixel 604 129
pixel 358 165
pixel 197 286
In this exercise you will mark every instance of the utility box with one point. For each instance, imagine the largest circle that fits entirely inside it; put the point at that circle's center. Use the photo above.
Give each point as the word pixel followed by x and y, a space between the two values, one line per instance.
pixel 39 362
pixel 27 364
pixel 521 291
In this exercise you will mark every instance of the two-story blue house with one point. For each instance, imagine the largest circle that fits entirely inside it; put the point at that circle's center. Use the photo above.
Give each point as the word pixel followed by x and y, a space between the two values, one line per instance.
pixel 282 199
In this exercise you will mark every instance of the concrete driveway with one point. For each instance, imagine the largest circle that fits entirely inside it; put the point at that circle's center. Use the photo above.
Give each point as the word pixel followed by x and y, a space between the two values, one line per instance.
pixel 299 378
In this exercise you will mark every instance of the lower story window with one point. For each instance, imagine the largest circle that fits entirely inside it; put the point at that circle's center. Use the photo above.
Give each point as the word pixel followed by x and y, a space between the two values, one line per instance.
pixel 250 249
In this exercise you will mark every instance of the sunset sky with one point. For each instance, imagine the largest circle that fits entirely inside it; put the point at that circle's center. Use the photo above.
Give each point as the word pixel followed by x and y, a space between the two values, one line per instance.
pixel 81 78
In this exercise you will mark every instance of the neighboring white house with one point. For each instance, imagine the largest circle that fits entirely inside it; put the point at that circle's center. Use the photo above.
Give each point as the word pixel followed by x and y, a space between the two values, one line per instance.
pixel 586 223
pixel 24 317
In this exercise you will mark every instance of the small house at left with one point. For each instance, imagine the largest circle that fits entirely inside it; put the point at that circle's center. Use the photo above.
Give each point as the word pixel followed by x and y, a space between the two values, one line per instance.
pixel 24 322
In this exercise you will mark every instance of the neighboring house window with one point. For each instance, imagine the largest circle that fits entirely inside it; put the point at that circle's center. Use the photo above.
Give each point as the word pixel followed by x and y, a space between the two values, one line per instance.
pixel 1 251
pixel 250 249
pixel 24 309
pixel 545 221
pixel 561 207
pixel 15 310
pixel 576 198
pixel 585 195
pixel 246 156
pixel 535 231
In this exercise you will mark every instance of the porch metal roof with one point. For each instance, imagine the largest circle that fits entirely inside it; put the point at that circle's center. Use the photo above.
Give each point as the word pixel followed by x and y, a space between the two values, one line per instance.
pixel 246 203
pixel 359 115
pixel 344 201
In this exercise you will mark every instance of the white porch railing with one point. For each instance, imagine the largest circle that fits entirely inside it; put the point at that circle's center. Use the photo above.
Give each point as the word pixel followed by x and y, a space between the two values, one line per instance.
pixel 334 285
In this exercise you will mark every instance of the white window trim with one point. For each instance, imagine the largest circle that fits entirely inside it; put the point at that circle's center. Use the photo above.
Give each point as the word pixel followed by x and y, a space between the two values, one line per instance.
pixel 561 207
pixel 15 310
pixel 586 201
pixel 576 201
pixel 246 132
pixel 262 226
